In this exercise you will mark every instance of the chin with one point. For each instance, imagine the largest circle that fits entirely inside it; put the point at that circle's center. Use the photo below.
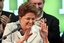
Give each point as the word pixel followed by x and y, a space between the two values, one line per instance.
pixel 38 13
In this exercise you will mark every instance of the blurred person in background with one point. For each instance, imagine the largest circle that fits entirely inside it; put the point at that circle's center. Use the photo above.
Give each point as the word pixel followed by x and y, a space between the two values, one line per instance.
pixel 51 21
pixel 5 17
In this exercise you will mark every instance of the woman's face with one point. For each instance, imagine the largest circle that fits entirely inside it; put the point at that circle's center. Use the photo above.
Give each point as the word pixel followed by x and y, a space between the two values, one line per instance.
pixel 27 20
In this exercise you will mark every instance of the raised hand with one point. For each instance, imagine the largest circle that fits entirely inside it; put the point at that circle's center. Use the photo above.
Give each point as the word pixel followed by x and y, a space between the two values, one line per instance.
pixel 5 19
pixel 27 34
pixel 43 30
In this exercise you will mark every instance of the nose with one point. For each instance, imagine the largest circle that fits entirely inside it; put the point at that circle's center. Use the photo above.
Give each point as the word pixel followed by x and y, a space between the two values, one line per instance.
pixel 31 21
pixel 37 5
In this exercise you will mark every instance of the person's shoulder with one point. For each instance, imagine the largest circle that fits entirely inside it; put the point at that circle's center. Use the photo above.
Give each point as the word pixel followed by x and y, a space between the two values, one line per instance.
pixel 11 24
pixel 49 16
pixel 14 23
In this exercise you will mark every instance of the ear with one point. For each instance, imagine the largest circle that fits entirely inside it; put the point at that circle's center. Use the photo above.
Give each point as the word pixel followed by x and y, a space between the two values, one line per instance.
pixel 20 17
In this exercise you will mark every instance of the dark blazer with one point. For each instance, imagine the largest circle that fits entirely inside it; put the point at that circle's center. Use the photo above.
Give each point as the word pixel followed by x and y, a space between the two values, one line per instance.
pixel 53 28
pixel 13 17
pixel 62 37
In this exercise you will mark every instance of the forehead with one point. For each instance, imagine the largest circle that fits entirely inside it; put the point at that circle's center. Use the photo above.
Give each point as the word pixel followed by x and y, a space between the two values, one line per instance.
pixel 30 14
pixel 36 1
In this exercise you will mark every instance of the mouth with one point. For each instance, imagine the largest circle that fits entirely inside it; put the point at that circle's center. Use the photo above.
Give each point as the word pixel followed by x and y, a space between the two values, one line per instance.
pixel 29 26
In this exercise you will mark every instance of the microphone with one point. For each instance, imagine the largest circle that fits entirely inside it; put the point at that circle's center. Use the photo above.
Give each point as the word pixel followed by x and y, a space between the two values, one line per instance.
pixel 18 28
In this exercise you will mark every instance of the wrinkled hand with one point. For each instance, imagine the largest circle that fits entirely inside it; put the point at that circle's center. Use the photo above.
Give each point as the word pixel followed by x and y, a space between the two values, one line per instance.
pixel 5 19
pixel 44 28
pixel 27 34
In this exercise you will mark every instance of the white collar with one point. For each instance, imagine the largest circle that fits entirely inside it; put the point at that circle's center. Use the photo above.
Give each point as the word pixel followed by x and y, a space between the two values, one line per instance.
pixel 40 16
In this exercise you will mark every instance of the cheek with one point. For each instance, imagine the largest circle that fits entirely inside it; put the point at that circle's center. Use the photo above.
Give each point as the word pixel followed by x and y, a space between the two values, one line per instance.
pixel 25 23
pixel 22 22
pixel 41 6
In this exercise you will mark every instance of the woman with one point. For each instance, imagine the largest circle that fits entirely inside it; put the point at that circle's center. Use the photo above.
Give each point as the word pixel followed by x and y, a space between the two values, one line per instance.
pixel 27 13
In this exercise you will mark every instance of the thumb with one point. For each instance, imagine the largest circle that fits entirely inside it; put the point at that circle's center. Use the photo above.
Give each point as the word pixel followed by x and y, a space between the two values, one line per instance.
pixel 10 16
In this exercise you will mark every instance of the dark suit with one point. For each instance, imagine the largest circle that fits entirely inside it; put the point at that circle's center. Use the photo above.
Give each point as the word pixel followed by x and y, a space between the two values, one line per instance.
pixel 12 19
pixel 62 37
pixel 53 28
